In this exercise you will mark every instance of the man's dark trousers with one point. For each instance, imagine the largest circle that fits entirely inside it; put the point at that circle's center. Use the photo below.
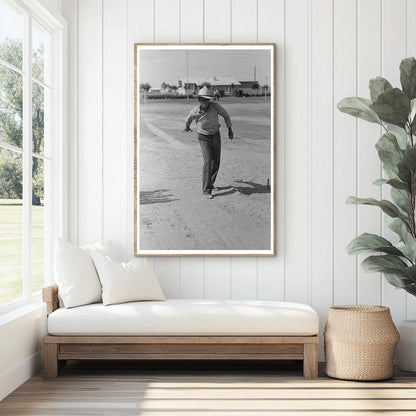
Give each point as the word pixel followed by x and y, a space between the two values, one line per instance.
pixel 211 151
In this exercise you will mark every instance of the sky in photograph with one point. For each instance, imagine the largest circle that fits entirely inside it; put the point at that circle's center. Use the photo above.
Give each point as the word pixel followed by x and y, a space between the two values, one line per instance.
pixel 157 66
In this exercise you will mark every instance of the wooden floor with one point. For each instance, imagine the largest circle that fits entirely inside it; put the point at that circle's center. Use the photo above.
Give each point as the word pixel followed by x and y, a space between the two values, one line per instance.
pixel 222 389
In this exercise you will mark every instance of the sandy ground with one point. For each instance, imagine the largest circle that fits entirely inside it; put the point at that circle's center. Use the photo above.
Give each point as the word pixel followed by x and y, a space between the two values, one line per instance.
pixel 173 214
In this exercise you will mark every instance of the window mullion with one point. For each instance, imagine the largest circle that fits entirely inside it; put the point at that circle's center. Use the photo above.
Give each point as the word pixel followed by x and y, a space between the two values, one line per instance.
pixel 27 157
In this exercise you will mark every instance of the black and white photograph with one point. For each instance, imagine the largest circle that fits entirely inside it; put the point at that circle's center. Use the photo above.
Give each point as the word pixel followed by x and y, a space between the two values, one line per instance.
pixel 204 150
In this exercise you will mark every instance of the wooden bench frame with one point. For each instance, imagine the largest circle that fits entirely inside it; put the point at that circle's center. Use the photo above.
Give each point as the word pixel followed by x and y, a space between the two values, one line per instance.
pixel 58 349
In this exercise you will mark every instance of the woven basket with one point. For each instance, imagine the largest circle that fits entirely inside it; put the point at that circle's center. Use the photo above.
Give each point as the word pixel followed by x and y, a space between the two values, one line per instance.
pixel 360 342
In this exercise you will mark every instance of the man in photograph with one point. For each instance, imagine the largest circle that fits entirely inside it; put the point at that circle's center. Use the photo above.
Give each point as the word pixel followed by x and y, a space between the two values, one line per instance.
pixel 207 127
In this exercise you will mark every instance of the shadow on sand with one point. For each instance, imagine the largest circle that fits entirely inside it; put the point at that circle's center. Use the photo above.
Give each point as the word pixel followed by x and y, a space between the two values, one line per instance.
pixel 160 196
pixel 249 189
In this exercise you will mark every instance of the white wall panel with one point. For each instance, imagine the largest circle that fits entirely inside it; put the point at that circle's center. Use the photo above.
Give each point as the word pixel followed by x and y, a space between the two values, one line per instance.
pixel 217 21
pixel 368 163
pixel 90 128
pixel 244 270
pixel 167 13
pixel 192 278
pixel 191 21
pixel 244 21
pixel 411 51
pixel 168 271
pixel 393 51
pixel 321 156
pixel 326 50
pixel 217 274
pixel 191 30
pixel 70 11
pixel 217 29
pixel 115 53
pixel 140 28
pixel 345 151
pixel 297 144
pixel 271 29
pixel 167 29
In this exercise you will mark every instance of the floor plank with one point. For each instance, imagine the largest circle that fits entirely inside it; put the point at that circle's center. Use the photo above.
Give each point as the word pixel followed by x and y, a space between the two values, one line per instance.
pixel 226 389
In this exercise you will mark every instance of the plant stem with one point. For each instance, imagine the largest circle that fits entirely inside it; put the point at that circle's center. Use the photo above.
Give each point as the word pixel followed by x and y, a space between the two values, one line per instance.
pixel 412 196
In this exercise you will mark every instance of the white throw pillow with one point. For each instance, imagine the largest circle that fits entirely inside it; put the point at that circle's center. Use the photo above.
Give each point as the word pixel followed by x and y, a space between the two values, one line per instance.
pixel 75 273
pixel 126 282
pixel 103 247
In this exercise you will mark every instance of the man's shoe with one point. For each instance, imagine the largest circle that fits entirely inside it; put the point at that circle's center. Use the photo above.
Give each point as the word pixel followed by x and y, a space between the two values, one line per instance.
pixel 209 196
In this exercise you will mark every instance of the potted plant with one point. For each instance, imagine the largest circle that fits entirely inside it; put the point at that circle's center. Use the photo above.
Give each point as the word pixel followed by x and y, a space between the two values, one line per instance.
pixel 394 109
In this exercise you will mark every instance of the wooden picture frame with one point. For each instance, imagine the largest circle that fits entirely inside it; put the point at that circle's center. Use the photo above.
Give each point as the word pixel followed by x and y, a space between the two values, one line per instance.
pixel 174 170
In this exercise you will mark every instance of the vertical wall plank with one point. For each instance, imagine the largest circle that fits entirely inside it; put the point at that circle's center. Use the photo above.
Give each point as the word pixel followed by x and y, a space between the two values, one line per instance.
pixel 192 21
pixel 244 270
pixel 271 29
pixel 217 278
pixel 140 30
pixel 345 151
pixel 70 12
pixel 192 30
pixel 393 51
pixel 369 168
pixel 244 278
pixel 167 21
pixel 217 22
pixel 296 152
pixel 168 269
pixel 115 136
pixel 217 271
pixel 90 184
pixel 244 21
pixel 321 166
pixel 411 51
pixel 192 277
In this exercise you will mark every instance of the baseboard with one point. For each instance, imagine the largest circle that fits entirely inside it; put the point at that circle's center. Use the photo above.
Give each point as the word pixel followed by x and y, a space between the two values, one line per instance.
pixel 10 380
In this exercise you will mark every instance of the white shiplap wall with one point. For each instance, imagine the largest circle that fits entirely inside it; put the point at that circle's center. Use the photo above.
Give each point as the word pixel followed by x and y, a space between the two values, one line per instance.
pixel 326 50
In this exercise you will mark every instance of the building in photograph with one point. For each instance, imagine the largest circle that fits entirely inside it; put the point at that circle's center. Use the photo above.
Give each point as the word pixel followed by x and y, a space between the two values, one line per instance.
pixel 225 85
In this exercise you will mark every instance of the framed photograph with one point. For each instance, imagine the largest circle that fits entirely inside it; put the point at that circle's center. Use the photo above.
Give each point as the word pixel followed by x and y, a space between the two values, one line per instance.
pixel 204 149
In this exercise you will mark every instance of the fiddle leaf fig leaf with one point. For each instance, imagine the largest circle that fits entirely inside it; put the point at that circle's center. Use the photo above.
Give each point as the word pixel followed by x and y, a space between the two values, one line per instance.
pixel 408 77
pixel 378 86
pixel 408 249
pixel 389 151
pixel 400 228
pixel 402 139
pixel 359 107
pixel 392 107
pixel 381 263
pixel 398 184
pixel 397 280
pixel 380 182
pixel 410 158
pixel 366 243
pixel 400 198
pixel 388 207
pixel 404 173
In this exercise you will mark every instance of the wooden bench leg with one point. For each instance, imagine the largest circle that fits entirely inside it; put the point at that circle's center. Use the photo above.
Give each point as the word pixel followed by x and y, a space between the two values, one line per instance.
pixel 310 360
pixel 50 360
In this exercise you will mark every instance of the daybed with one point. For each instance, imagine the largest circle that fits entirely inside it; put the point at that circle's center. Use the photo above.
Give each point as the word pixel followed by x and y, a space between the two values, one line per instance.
pixel 180 329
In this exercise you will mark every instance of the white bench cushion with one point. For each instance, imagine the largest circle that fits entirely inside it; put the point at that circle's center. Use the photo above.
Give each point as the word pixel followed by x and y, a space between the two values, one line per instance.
pixel 187 318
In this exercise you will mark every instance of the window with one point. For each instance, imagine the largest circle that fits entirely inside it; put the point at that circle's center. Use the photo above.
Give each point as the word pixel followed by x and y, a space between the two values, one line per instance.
pixel 31 139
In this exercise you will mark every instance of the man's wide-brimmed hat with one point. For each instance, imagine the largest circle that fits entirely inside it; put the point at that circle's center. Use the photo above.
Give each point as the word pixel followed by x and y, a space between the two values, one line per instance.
pixel 204 93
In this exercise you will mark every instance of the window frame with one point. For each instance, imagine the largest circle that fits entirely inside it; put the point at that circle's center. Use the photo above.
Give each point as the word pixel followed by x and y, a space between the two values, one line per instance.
pixel 57 226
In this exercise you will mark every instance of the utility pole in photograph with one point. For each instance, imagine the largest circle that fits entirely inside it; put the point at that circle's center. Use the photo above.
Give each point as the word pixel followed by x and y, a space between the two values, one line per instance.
pixel 187 74
pixel 266 87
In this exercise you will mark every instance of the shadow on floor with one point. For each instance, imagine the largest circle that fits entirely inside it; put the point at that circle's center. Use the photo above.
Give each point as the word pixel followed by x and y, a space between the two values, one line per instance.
pixel 160 196
pixel 247 188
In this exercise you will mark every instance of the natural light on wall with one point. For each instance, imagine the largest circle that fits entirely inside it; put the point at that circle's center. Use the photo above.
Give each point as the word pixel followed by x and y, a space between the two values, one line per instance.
pixel 25 152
